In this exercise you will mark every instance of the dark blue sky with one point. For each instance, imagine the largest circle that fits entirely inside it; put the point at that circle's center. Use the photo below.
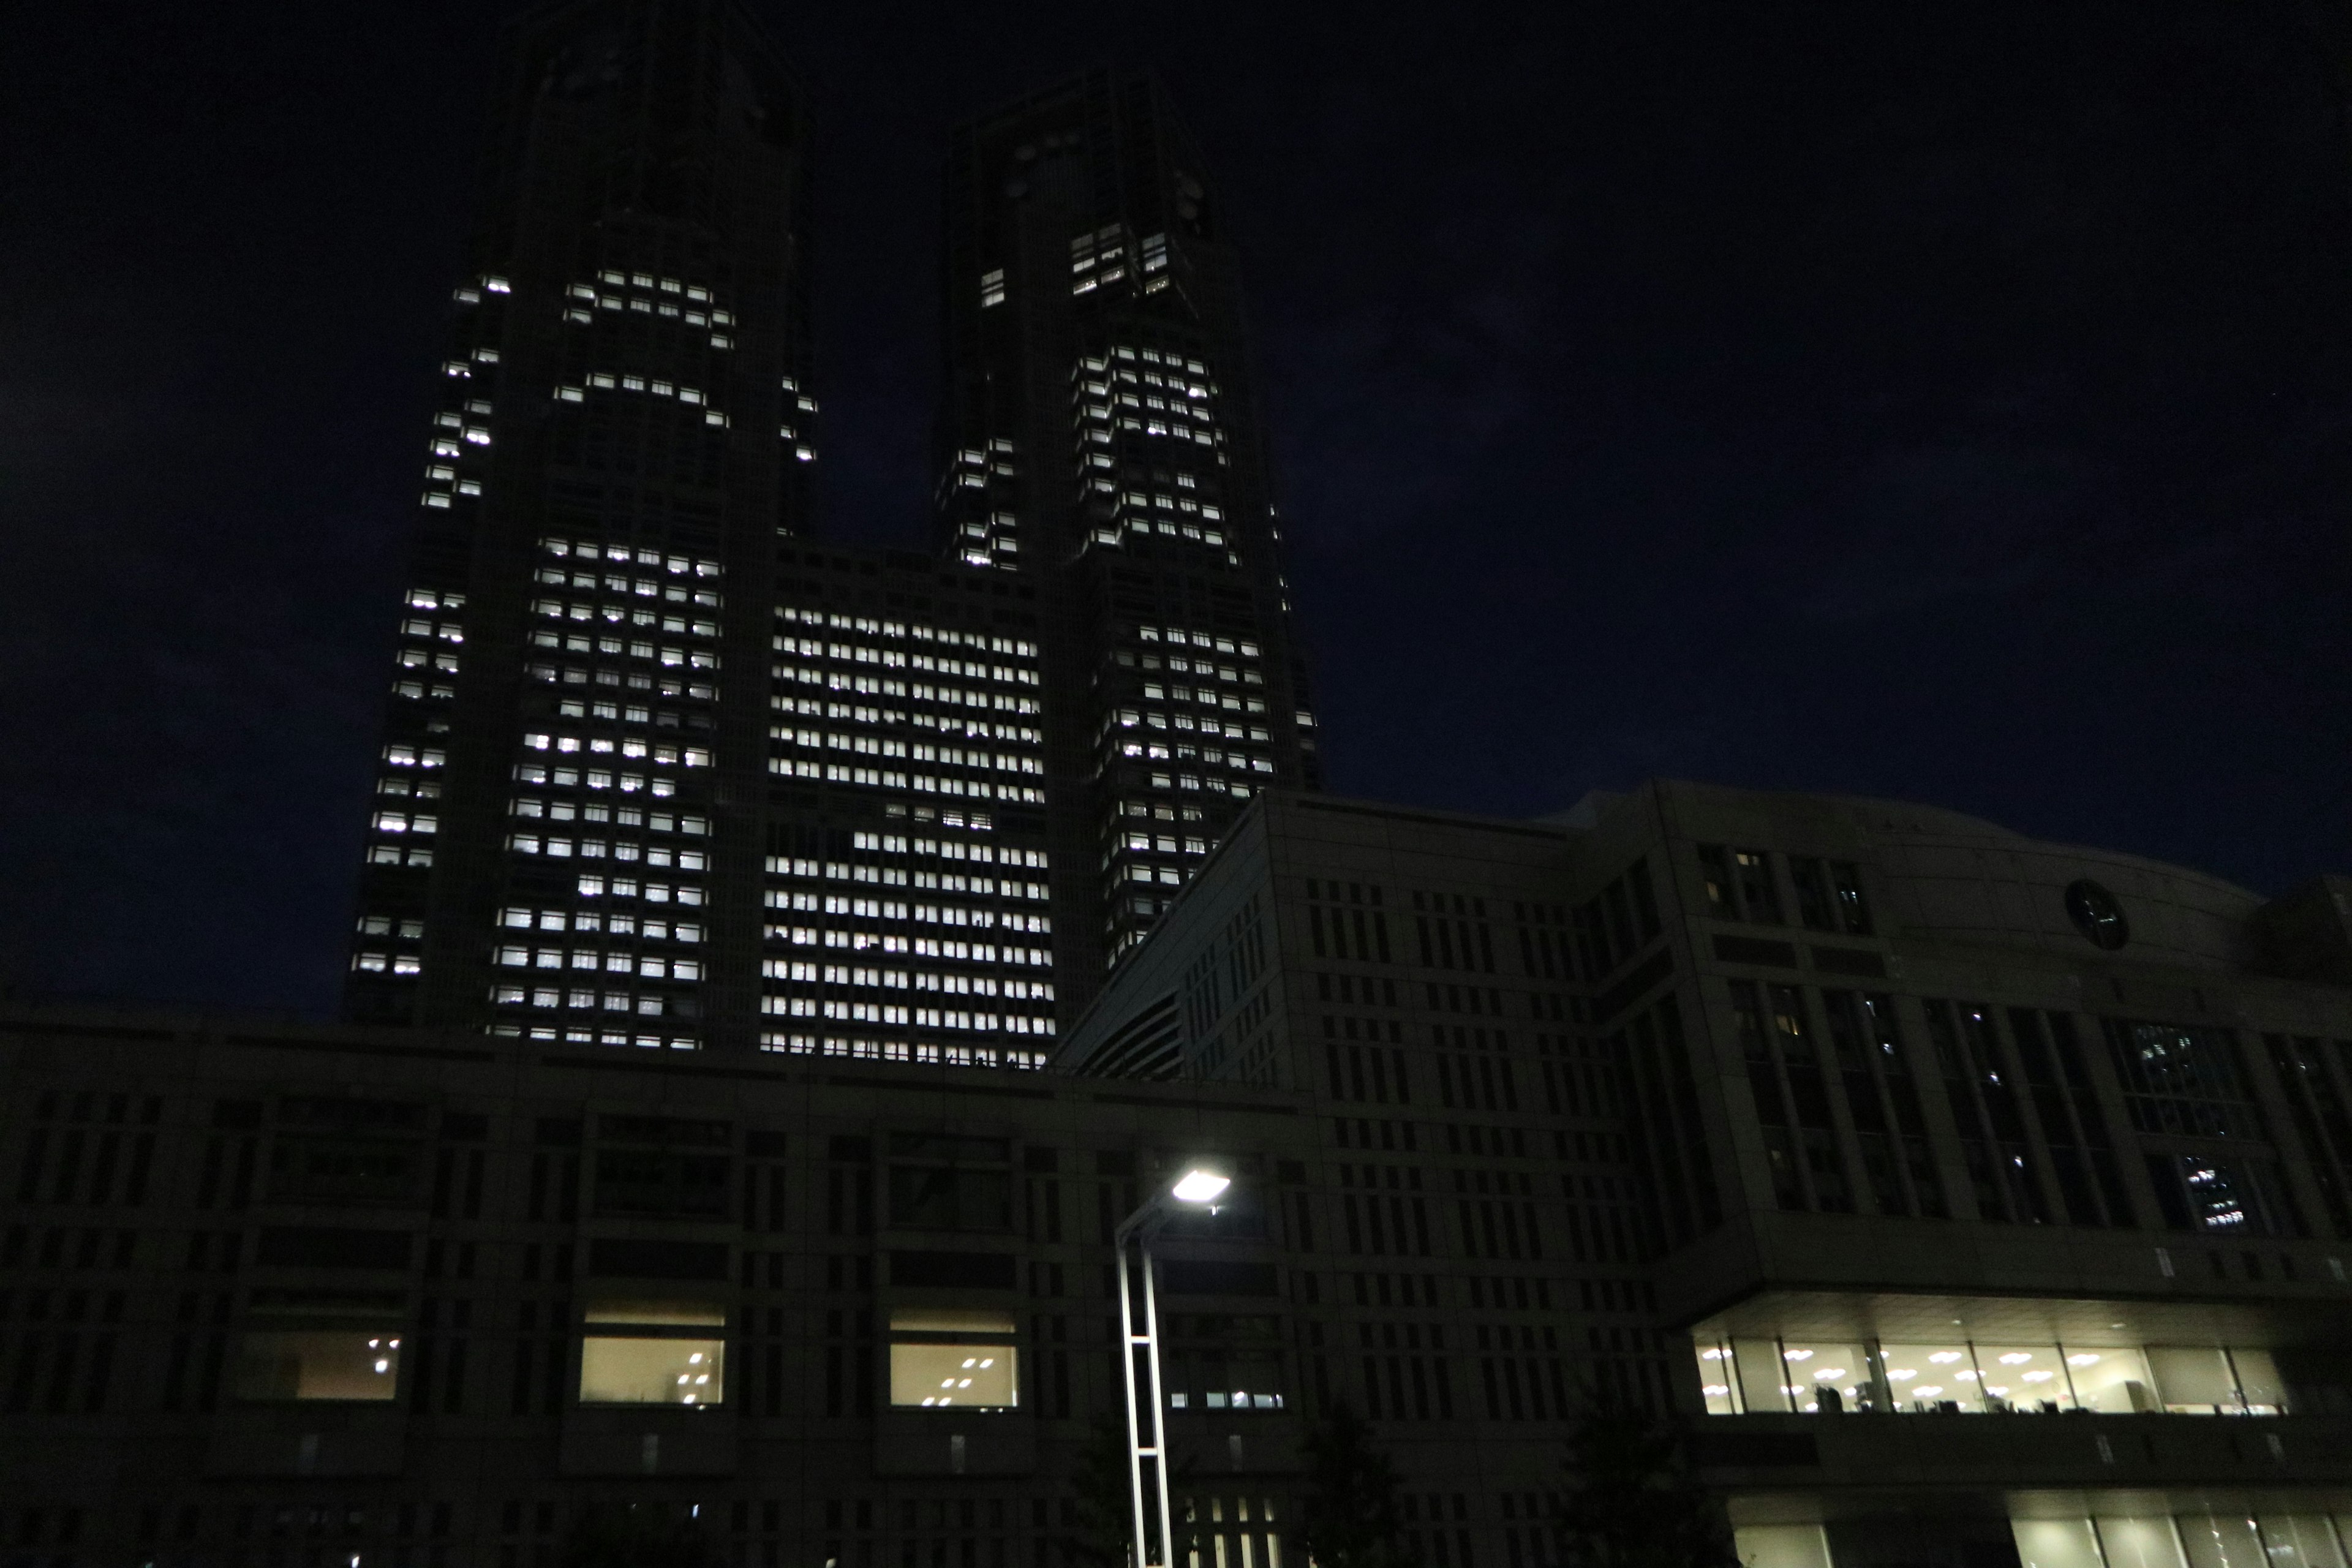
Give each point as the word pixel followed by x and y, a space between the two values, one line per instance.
pixel 1951 402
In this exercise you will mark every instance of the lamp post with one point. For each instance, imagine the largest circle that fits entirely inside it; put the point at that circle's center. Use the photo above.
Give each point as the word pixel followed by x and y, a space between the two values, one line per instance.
pixel 1197 1190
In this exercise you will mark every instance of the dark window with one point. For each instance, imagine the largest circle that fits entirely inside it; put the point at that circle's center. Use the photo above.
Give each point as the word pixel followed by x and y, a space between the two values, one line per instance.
pixel 661 1164
pixel 939 1181
pixel 1853 911
pixel 2097 914
pixel 1715 872
pixel 1760 896
pixel 2180 1081
pixel 1812 881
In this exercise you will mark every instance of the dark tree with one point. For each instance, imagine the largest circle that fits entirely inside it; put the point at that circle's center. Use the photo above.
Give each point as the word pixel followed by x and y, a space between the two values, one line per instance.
pixel 1101 1498
pixel 1629 1499
pixel 636 1535
pixel 1353 1518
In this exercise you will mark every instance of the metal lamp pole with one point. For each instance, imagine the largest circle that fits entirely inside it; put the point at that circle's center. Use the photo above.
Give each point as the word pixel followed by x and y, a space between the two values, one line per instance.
pixel 1147 1442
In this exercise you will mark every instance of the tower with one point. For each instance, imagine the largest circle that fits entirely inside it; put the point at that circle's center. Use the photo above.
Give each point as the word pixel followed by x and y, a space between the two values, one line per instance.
pixel 619 445
pixel 660 769
pixel 1101 437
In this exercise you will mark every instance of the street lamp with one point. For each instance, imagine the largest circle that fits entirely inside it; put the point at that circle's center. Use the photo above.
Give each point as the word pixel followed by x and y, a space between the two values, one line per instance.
pixel 1197 1190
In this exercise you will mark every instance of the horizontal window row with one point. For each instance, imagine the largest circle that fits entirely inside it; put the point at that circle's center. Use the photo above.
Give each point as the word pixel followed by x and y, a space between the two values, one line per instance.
pixel 634 679
pixel 897 1013
pixel 1129 717
pixel 1746 1375
pixel 1235 788
pixel 881 686
pixel 878 778
pixel 921 946
pixel 626 815
pixel 586 610
pixel 589 549
pixel 899 658
pixel 693 292
pixel 812 973
pixel 649 965
pixel 613 710
pixel 926 914
pixel 930 1053
pixel 918 750
pixel 511 995
pixel 899 717
pixel 598 745
pixel 594 778
pixel 596 1034
pixel 622 381
pixel 982 642
pixel 386 962
pixel 416 691
pixel 617 923
pixel 598 886
pixel 891 876
pixel 1209 757
pixel 897 844
pixel 599 849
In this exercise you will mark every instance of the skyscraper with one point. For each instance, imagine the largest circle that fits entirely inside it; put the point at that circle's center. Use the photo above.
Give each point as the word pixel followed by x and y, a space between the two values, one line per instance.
pixel 660 771
pixel 1101 435
pixel 618 449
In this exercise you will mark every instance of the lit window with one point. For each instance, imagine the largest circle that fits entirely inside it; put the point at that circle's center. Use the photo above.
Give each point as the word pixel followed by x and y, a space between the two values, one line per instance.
pixel 959 1357
pixel 653 1353
pixel 314 1356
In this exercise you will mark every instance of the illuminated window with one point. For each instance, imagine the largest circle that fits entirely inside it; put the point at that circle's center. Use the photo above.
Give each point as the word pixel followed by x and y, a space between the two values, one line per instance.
pixel 952 1356
pixel 325 1347
pixel 653 1353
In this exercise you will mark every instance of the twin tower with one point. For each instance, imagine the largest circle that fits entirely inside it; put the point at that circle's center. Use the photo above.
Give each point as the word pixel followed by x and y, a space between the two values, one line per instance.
pixel 662 769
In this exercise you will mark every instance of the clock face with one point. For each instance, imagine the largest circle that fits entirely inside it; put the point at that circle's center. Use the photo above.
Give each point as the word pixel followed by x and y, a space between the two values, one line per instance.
pixel 2097 914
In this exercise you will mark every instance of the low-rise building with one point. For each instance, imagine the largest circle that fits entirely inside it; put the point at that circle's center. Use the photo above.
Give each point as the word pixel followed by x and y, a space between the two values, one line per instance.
pixel 1918 1119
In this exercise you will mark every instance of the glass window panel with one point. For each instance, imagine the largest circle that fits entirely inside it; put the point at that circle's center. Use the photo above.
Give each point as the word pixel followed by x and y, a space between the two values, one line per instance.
pixel 616 1370
pixel 1825 1377
pixel 950 1319
pixel 953 1356
pixel 2146 1542
pixel 976 1376
pixel 656 1314
pixel 2301 1541
pixel 1932 1377
pixel 2192 1382
pixel 2220 1539
pixel 1759 1364
pixel 2260 1387
pixel 2056 1544
pixel 317 1364
pixel 2024 1377
pixel 1716 1381
pixel 2109 1379
pixel 1781 1546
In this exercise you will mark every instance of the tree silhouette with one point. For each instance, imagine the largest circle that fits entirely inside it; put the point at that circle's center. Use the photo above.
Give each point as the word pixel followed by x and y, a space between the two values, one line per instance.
pixel 1101 1500
pixel 1629 1499
pixel 1353 1516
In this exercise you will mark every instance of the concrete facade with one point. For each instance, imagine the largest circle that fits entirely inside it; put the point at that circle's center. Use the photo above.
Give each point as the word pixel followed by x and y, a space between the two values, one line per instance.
pixel 1891 1090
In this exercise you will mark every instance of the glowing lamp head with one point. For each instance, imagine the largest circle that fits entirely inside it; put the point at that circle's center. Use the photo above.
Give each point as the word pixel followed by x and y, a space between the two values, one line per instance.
pixel 1199 1186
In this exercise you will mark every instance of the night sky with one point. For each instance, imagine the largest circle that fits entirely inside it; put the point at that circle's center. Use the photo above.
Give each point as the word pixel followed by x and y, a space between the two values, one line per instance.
pixel 1949 402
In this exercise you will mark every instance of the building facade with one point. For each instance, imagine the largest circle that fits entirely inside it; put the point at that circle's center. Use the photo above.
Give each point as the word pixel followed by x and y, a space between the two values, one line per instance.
pixel 617 620
pixel 1102 435
pixel 1972 1200
pixel 1917 1120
